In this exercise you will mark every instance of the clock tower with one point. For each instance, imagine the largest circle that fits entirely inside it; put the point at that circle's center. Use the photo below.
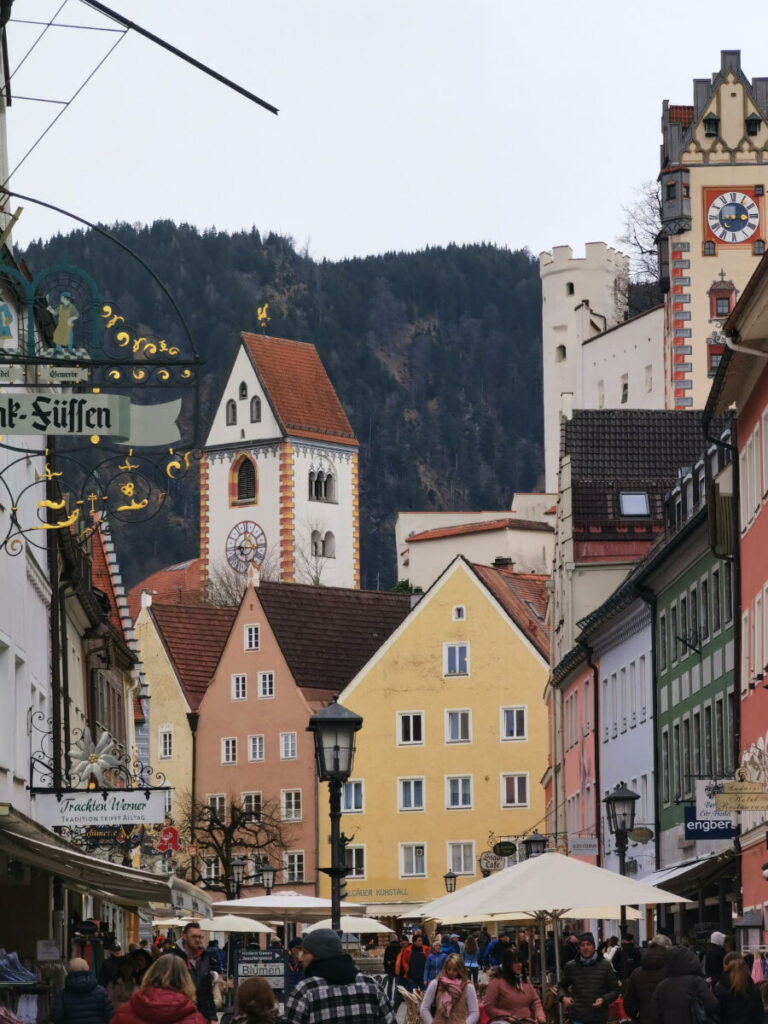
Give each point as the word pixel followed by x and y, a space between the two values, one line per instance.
pixel 279 474
pixel 714 173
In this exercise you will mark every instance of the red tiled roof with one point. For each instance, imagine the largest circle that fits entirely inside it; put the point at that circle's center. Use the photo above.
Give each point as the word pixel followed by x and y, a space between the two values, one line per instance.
pixel 194 636
pixel 681 115
pixel 523 595
pixel 179 584
pixel 101 577
pixel 327 634
pixel 491 524
pixel 299 389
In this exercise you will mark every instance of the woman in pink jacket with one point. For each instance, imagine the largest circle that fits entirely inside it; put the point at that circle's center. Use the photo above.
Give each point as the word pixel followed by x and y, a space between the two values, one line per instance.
pixel 510 996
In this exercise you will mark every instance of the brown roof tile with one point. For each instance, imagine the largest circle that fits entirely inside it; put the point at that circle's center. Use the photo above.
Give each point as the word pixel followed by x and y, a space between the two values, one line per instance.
pixel 490 525
pixel 299 389
pixel 175 584
pixel 327 634
pixel 523 595
pixel 681 115
pixel 194 636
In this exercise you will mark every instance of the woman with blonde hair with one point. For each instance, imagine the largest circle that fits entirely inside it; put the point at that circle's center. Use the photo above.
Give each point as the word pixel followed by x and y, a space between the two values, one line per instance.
pixel 166 996
pixel 450 998
pixel 737 994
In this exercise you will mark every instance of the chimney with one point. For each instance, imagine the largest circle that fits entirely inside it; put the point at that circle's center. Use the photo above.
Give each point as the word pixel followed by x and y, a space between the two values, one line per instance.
pixel 146 598
pixel 503 562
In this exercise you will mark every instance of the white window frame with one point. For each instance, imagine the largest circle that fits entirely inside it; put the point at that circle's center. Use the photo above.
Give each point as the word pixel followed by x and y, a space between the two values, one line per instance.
pixel 354 783
pixel 225 749
pixel 168 803
pixel 291 875
pixel 465 871
pixel 415 847
pixel 461 779
pixel 284 805
pixel 401 715
pixel 502 721
pixel 217 802
pixel 251 639
pixel 247 797
pixel 258 736
pixel 454 646
pixel 357 848
pixel 515 775
pixel 458 711
pixel 287 745
pixel 263 679
pixel 165 732
pixel 212 872
pixel 239 682
pixel 411 778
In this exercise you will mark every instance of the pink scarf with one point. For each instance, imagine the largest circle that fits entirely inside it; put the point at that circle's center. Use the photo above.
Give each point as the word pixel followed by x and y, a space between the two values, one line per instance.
pixel 448 992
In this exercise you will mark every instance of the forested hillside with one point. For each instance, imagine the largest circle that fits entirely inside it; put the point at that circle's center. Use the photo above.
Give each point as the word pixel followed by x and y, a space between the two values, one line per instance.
pixel 436 356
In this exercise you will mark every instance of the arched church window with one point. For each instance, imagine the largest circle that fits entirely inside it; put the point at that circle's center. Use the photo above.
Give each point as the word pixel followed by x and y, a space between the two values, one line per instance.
pixel 319 485
pixel 329 488
pixel 329 545
pixel 255 409
pixel 311 484
pixel 246 481
pixel 560 354
pixel 710 249
pixel 243 392
pixel 231 413
pixel 317 544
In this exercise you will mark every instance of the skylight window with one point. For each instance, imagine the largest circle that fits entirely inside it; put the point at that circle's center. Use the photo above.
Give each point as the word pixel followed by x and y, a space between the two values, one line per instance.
pixel 634 503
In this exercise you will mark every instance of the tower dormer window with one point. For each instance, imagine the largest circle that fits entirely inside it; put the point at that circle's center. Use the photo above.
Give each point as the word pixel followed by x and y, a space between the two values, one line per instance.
pixel 255 409
pixel 711 126
pixel 243 390
pixel 752 124
pixel 231 413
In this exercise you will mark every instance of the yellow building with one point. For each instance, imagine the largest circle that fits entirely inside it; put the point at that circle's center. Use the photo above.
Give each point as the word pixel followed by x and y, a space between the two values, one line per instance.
pixel 454 739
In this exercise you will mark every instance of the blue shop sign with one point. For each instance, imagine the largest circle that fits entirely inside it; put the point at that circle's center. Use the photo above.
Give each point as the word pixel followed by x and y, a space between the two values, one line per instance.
pixel 704 828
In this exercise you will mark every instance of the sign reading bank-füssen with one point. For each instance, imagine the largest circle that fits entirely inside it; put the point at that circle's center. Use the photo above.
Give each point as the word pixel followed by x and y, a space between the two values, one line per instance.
pixel 95 807
pixel 24 412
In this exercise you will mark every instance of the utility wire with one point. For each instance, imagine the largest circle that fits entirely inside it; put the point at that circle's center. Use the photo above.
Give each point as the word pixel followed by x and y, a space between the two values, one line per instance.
pixel 47 26
pixel 63 24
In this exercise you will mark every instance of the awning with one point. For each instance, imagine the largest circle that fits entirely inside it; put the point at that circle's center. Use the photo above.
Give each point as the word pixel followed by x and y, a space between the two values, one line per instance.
pixel 751 919
pixel 394 909
pixel 680 878
pixel 31 843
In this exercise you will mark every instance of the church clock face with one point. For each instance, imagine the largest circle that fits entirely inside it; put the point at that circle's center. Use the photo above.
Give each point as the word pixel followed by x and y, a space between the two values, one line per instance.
pixel 733 217
pixel 246 545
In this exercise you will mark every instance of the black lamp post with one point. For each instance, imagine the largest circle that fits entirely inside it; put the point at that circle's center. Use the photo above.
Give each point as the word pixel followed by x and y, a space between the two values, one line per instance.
pixel 334 729
pixel 620 807
pixel 450 881
pixel 534 845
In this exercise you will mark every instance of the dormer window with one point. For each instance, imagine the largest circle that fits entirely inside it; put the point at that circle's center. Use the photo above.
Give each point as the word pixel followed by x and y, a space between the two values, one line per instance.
pixel 634 503
pixel 243 391
pixel 758 247
pixel 711 126
pixel 671 190
pixel 752 124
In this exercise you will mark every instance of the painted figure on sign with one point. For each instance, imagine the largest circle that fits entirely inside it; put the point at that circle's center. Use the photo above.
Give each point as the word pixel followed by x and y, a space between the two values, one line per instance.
pixel 6 320
pixel 66 314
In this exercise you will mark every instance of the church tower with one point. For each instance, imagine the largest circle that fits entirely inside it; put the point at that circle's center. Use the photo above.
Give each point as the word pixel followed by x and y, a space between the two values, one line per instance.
pixel 279 475
pixel 714 173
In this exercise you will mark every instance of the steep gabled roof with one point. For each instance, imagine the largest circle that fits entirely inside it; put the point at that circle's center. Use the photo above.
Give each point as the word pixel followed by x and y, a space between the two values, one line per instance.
pixel 175 584
pixel 194 636
pixel 482 527
pixel 299 389
pixel 327 634
pixel 523 595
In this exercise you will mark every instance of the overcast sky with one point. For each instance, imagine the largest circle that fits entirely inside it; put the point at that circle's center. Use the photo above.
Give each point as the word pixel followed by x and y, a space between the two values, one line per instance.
pixel 403 123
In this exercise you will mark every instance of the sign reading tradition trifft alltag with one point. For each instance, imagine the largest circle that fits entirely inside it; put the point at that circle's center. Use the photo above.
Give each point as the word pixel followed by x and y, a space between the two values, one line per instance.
pixel 96 807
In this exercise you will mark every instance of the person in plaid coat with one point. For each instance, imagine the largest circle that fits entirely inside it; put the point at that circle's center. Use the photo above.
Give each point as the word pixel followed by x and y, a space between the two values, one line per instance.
pixel 332 991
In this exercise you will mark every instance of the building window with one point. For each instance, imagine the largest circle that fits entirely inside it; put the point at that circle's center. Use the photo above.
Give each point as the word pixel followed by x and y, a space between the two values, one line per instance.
pixel 217 807
pixel 410 727
pixel 634 503
pixel 560 354
pixel 758 247
pixel 251 805
pixel 671 190
pixel 266 685
pixel 752 124
pixel 709 767
pixel 696 744
pixel 413 860
pixel 255 409
pixel 212 871
pixel 675 633
pixel 719 763
pixel 246 481
pixel 722 306
pixel 322 486
pixel 256 747
pixel 354 861
pixel 461 858
pixel 457 727
pixel 168 803
pixel 716 601
pixel 352 797
pixel 569 288
pixel 291 804
pixel 624 388
pixel 459 612
pixel 329 545
pixel 251 637
pixel 458 792
pixel 239 687
pixel 294 865
pixel 411 794
pixel 728 596
pixel 709 249
pixel 513 723
pixel 287 746
pixel 704 610
pixel 600 394
pixel 514 790
pixel 242 391
pixel 231 413
pixel 686 756
pixel 229 750
pixel 649 379
pixel 455 659
pixel 662 642
pixel 711 126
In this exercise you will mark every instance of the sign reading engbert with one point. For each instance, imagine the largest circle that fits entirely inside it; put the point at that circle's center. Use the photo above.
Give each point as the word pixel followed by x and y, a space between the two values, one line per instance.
pixel 76 809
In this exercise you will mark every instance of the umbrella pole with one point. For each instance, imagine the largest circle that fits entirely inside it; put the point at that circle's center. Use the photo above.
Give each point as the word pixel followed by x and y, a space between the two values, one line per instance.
pixel 556 929
pixel 542 950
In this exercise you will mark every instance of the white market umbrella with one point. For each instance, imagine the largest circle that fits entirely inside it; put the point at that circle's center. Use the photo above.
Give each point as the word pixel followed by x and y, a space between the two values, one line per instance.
pixel 171 922
pixel 287 904
pixel 597 913
pixel 353 925
pixel 233 923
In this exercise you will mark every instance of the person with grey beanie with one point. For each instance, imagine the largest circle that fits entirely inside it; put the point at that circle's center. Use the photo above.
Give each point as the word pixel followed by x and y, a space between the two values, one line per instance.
pixel 332 989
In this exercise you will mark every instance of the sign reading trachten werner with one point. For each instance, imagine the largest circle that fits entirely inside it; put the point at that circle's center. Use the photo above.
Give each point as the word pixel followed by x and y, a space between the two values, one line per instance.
pixel 24 412
pixel 95 807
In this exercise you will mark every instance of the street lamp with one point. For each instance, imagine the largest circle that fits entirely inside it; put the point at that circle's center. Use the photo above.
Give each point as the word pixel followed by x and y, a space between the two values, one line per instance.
pixel 450 881
pixel 534 845
pixel 237 867
pixel 267 873
pixel 620 807
pixel 334 729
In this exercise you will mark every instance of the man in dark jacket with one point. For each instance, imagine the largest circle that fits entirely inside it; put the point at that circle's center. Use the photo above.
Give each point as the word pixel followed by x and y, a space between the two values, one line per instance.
pixel 673 999
pixel 191 947
pixel 713 957
pixel 626 958
pixel 110 968
pixel 82 1000
pixel 587 984
pixel 638 992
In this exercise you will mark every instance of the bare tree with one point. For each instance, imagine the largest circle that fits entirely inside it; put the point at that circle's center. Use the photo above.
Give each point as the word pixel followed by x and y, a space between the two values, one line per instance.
pixel 223 831
pixel 226 585
pixel 642 224
pixel 310 559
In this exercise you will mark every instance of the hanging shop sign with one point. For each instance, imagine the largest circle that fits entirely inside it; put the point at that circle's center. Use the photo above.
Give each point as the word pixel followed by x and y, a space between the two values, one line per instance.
pixel 89 808
pixel 708 828
pixel 706 809
pixel 490 861
pixel 583 846
pixel 742 796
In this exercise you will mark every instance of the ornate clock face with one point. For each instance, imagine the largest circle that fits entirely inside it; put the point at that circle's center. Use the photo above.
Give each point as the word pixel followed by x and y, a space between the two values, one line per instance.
pixel 246 545
pixel 733 217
